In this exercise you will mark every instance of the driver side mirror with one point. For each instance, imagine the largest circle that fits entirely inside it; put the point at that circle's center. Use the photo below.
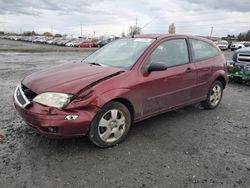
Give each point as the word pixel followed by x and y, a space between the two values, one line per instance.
pixel 156 67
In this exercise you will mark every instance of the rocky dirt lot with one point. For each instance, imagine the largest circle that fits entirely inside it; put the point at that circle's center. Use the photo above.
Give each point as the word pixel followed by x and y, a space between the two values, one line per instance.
pixel 189 147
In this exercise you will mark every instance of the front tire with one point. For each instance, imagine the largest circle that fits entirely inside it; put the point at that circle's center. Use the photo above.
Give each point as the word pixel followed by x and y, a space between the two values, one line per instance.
pixel 111 125
pixel 214 96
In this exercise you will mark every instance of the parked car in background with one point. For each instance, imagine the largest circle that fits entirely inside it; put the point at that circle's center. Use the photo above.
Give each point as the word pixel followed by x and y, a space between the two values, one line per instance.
pixel 236 46
pixel 223 45
pixel 56 40
pixel 64 42
pixel 86 44
pixel 247 44
pixel 239 67
pixel 50 41
pixel 127 81
pixel 74 43
pixel 101 43
pixel 70 43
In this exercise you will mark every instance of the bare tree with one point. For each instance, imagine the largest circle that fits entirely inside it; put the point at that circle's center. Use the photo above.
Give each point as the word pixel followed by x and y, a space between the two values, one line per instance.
pixel 171 29
pixel 123 34
pixel 29 33
pixel 47 34
pixel 134 30
pixel 57 35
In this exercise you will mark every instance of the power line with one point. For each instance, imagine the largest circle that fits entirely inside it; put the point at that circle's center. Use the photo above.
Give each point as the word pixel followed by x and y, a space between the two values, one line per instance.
pixel 151 21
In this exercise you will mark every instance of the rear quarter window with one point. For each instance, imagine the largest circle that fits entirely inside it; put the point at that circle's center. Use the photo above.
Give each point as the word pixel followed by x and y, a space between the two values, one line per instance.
pixel 202 50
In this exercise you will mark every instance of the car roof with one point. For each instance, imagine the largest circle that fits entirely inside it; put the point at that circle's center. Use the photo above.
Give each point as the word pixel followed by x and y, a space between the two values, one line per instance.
pixel 161 36
pixel 158 36
pixel 153 36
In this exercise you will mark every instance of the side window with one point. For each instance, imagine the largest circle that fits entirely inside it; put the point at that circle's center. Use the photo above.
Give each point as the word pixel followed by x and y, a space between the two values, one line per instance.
pixel 171 53
pixel 203 50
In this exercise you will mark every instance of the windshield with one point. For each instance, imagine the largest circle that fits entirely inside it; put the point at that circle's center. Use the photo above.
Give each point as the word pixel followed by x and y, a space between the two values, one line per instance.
pixel 122 53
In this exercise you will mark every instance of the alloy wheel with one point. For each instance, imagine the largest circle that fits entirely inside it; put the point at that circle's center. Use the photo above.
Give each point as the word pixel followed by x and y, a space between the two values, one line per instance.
pixel 112 126
pixel 215 95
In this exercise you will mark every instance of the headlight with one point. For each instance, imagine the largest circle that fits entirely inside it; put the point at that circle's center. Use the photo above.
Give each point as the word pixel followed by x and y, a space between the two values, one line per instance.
pixel 57 100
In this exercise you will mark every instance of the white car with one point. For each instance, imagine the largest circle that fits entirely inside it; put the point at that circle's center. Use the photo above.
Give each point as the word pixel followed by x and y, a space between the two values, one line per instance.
pixel 236 46
pixel 223 44
pixel 73 43
pixel 50 41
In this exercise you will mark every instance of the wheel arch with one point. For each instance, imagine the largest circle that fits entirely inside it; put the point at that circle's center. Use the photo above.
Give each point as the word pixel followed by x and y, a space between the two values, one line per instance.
pixel 219 75
pixel 222 80
pixel 132 100
pixel 128 104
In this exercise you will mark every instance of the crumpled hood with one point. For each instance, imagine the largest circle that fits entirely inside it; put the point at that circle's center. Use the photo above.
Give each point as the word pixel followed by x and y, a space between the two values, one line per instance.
pixel 67 78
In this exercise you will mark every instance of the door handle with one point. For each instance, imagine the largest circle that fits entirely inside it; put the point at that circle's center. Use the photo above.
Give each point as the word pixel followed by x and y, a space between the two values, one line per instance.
pixel 189 69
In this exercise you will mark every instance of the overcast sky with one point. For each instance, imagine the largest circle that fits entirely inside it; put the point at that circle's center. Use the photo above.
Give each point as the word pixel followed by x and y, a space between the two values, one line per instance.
pixel 114 16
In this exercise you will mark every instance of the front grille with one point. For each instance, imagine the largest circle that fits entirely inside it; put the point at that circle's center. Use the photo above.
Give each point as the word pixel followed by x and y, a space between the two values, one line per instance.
pixel 20 97
pixel 244 57
pixel 245 60
pixel 28 93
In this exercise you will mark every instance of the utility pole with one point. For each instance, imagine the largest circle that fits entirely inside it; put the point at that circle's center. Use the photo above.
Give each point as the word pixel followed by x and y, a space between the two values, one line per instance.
pixel 52 29
pixel 136 21
pixel 81 30
pixel 211 33
pixel 135 29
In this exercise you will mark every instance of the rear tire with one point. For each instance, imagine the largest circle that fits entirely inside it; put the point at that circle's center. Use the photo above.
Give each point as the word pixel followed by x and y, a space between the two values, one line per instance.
pixel 214 96
pixel 110 125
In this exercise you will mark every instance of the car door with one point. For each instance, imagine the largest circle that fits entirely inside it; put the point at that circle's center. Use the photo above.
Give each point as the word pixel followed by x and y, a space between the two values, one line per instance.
pixel 203 56
pixel 162 90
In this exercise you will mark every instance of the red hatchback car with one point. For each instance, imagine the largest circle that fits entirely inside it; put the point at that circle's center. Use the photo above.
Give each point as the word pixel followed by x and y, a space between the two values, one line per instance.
pixel 86 44
pixel 126 81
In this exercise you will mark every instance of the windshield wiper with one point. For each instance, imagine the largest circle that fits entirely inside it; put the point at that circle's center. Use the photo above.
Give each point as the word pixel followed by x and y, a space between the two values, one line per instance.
pixel 94 63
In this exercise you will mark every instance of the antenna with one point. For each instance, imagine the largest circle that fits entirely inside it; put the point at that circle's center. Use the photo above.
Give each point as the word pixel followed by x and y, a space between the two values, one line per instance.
pixel 211 33
pixel 81 30
pixel 52 29
pixel 136 21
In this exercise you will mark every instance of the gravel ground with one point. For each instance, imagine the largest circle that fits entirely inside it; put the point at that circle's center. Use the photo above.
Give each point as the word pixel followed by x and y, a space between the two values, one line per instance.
pixel 189 147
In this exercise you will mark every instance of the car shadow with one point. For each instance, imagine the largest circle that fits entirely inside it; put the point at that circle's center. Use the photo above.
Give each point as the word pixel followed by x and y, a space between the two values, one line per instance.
pixel 239 85
pixel 145 128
